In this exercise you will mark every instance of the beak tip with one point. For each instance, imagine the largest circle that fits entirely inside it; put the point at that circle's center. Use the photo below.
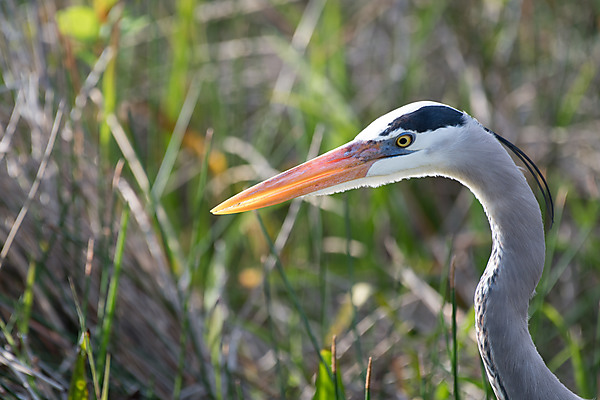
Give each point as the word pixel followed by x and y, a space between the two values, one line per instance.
pixel 226 208
pixel 217 211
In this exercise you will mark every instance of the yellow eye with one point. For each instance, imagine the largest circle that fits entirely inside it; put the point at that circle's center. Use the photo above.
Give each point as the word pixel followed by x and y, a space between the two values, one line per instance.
pixel 404 140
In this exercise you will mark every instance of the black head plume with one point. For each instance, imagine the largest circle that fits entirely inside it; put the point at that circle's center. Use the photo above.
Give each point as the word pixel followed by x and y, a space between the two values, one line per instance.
pixel 537 175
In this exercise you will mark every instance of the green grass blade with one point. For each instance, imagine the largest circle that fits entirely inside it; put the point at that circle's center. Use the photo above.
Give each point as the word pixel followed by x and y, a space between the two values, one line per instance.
pixel 111 300
pixel 326 387
pixel 105 385
pixel 291 292
pixel 184 33
pixel 78 387
pixel 166 167
pixel 271 328
pixel 350 263
pixel 454 340
pixel 168 232
pixel 576 94
pixel 572 350
pixel 23 322
pixel 596 358
pixel 84 340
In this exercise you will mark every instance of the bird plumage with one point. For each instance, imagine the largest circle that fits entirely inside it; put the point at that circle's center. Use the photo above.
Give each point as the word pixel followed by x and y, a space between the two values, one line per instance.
pixel 442 141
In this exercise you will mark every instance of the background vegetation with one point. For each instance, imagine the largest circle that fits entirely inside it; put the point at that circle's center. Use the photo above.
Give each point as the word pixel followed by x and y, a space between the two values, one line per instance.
pixel 123 123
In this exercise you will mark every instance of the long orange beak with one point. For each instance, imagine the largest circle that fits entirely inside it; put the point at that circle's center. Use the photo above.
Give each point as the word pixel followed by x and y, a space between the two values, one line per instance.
pixel 346 163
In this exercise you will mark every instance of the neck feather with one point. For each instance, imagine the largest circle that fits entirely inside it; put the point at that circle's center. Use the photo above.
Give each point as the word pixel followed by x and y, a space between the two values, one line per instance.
pixel 513 365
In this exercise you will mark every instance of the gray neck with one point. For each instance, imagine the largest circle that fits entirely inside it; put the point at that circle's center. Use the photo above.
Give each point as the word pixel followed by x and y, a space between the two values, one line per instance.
pixel 513 365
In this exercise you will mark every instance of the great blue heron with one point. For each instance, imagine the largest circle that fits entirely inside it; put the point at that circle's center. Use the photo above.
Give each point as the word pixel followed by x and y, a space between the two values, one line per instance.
pixel 432 139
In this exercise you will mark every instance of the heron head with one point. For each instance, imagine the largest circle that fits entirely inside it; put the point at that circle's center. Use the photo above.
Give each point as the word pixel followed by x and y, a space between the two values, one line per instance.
pixel 418 139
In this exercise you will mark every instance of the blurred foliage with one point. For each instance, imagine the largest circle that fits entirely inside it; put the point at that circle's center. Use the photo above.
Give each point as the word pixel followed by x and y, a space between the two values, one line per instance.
pixel 197 100
pixel 78 22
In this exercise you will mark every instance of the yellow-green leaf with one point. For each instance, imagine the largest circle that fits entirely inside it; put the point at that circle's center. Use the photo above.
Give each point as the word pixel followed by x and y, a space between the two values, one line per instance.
pixel 327 388
pixel 78 22
pixel 78 388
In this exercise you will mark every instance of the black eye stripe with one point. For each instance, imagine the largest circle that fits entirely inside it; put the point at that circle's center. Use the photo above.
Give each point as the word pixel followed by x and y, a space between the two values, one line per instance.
pixel 428 118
